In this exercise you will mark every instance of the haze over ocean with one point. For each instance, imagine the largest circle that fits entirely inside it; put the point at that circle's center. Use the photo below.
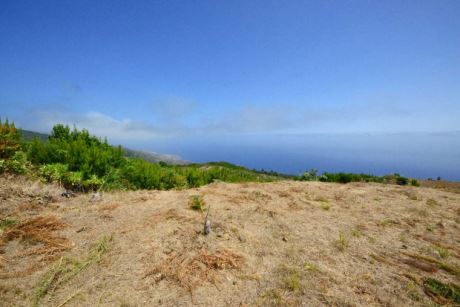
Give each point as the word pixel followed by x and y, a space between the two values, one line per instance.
pixel 358 86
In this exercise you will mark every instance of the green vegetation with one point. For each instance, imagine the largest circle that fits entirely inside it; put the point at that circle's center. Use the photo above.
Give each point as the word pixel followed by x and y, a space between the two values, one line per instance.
pixel 341 177
pixel 197 203
pixel 342 242
pixel 78 161
pixel 6 223
pixel 442 252
pixel 325 206
pixel 439 289
pixel 82 162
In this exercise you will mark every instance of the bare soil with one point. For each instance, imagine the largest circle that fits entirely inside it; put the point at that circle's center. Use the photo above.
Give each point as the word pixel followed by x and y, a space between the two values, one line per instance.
pixel 281 244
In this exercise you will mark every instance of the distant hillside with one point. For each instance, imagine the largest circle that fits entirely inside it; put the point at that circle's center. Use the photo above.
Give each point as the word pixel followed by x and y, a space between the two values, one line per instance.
pixel 130 153
pixel 30 135
pixel 154 157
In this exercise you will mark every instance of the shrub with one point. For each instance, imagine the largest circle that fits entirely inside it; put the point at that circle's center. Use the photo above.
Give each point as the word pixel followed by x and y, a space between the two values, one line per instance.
pixel 93 183
pixel 74 181
pixel 197 203
pixel 54 172
pixel 18 163
pixel 310 175
pixel 414 183
pixel 9 139
pixel 401 180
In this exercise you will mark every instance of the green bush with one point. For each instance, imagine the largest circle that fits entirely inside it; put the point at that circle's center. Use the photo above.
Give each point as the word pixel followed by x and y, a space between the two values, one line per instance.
pixel 78 150
pixel 18 163
pixel 401 180
pixel 10 138
pixel 414 183
pixel 310 175
pixel 93 183
pixel 54 172
pixel 349 177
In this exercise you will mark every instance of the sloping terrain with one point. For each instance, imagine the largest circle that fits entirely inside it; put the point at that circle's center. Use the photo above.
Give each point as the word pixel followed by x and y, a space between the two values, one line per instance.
pixel 284 243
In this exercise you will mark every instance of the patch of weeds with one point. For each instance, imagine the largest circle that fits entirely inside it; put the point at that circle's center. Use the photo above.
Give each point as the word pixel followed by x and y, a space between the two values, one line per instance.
pixel 442 291
pixel 377 199
pixel 403 238
pixel 442 252
pixel 197 203
pixel 272 297
pixel 310 267
pixel 412 290
pixel 325 206
pixel 321 199
pixel 293 282
pixel 66 269
pixel 7 223
pixel 356 233
pixel 291 278
pixel 430 228
pixel 431 202
pixel 342 242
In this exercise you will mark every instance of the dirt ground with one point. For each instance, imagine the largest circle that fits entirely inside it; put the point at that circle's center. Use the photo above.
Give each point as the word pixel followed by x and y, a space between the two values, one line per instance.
pixel 282 244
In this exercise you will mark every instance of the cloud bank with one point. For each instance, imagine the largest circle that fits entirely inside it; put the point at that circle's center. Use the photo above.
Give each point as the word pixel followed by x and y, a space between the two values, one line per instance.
pixel 178 117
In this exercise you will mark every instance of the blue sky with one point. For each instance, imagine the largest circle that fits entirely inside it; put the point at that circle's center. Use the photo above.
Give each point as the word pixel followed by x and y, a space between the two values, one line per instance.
pixel 159 71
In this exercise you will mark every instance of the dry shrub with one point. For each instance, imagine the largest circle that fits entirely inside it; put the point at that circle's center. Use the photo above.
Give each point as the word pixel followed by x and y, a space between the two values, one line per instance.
pixel 39 230
pixel 191 270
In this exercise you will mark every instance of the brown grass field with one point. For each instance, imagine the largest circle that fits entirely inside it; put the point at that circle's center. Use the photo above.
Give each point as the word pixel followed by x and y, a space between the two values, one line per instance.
pixel 272 244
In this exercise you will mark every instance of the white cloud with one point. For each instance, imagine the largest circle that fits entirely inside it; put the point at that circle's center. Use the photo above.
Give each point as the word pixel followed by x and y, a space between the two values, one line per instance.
pixel 97 123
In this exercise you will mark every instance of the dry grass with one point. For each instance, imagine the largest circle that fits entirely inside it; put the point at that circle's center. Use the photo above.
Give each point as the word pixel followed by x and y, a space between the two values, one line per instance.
pixel 449 186
pixel 189 271
pixel 39 231
pixel 271 245
pixel 66 269
pixel 108 207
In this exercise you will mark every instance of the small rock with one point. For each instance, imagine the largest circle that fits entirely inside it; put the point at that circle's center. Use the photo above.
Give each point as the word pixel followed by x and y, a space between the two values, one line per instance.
pixel 68 194
pixel 96 197
pixel 284 239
